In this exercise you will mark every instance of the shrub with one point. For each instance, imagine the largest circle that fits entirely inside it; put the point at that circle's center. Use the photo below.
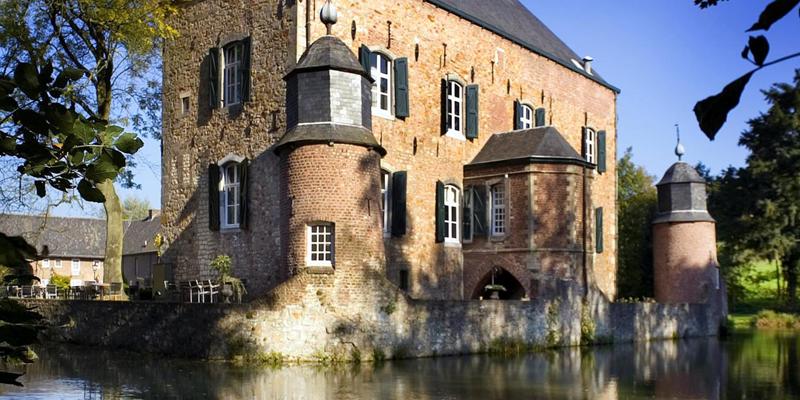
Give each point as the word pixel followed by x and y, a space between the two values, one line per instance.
pixel 60 281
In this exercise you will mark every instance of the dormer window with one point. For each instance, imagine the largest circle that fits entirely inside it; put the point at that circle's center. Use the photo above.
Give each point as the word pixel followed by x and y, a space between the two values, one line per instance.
pixel 526 117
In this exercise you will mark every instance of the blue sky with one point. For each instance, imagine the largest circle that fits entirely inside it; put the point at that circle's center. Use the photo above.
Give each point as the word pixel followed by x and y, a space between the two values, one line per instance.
pixel 665 55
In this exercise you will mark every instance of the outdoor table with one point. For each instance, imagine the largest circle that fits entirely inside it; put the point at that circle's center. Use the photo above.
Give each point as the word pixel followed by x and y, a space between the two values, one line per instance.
pixel 102 289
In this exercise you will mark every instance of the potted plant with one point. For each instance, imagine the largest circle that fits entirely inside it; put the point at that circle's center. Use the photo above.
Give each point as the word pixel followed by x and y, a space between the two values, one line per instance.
pixel 231 286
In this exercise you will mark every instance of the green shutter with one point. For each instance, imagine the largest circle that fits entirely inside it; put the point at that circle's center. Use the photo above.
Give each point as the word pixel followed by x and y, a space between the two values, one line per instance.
pixel 472 111
pixel 244 197
pixel 584 133
pixel 540 117
pixel 244 69
pixel 401 106
pixel 479 210
pixel 601 151
pixel 517 115
pixel 364 56
pixel 444 106
pixel 598 234
pixel 439 212
pixel 213 78
pixel 399 189
pixel 213 197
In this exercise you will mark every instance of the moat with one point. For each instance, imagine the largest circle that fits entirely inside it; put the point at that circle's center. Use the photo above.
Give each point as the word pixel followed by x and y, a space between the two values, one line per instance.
pixel 748 365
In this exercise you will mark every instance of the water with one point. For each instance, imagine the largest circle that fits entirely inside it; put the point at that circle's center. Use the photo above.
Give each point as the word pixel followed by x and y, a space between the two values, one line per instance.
pixel 747 366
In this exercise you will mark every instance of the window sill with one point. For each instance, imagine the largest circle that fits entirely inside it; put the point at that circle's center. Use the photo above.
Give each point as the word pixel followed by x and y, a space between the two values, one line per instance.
pixel 498 238
pixel 320 269
pixel 382 114
pixel 456 135
pixel 229 229
pixel 454 244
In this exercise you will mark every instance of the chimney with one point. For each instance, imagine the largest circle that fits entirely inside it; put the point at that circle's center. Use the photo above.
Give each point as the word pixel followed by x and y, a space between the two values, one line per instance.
pixel 587 64
pixel 152 214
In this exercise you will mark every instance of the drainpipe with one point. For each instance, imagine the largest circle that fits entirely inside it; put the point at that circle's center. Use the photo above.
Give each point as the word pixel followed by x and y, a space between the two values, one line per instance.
pixel 586 217
pixel 308 23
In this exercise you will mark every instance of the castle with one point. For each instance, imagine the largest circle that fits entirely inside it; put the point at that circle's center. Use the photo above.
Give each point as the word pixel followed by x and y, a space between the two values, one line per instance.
pixel 465 145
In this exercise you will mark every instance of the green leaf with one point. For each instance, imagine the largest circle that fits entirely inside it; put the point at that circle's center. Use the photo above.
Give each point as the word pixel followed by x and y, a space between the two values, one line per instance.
pixel 83 132
pixel 104 167
pixel 61 117
pixel 41 191
pixel 32 121
pixel 8 145
pixel 128 143
pixel 46 74
pixel 68 76
pixel 25 76
pixel 772 13
pixel 6 87
pixel 712 112
pixel 90 193
pixel 759 47
pixel 8 103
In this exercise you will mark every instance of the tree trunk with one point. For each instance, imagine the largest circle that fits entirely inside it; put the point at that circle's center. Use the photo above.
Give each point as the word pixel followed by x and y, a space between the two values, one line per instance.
pixel 790 270
pixel 112 266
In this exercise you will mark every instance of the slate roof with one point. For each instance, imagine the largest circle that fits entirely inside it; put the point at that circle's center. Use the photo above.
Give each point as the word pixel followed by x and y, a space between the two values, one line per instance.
pixel 513 21
pixel 139 236
pixel 329 53
pixel 326 133
pixel 78 237
pixel 542 145
pixel 64 237
pixel 681 172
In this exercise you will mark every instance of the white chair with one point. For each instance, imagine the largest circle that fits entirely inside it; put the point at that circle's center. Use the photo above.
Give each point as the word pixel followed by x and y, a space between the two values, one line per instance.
pixel 51 292
pixel 212 290
pixel 201 291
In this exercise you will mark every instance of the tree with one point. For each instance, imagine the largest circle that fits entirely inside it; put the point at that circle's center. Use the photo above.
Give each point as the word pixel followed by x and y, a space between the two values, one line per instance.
pixel 773 221
pixel 712 112
pixel 637 207
pixel 109 46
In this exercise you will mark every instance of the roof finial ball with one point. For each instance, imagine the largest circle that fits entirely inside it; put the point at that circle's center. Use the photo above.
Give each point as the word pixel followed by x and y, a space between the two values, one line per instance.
pixel 679 150
pixel 328 15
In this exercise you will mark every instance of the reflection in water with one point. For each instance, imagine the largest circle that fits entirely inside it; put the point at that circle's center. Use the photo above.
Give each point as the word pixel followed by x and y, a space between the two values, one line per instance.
pixel 752 366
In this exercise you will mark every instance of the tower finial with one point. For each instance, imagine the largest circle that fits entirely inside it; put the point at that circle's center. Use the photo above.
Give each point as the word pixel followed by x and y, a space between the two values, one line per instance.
pixel 328 15
pixel 679 150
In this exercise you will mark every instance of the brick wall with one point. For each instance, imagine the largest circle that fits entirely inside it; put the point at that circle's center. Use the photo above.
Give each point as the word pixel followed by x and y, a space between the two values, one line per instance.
pixel 202 136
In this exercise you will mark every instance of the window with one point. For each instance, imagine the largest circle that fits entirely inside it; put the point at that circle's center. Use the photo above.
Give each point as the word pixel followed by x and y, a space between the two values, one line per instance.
pixel 58 264
pixel 526 117
pixel 451 213
pixel 455 101
pixel 498 199
pixel 46 263
pixel 232 74
pixel 589 145
pixel 76 267
pixel 468 206
pixel 404 279
pixel 229 196
pixel 381 71
pixel 320 245
pixel 184 105
pixel 386 184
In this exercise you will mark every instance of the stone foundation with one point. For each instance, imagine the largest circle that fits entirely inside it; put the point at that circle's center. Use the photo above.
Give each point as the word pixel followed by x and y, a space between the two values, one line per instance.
pixel 303 321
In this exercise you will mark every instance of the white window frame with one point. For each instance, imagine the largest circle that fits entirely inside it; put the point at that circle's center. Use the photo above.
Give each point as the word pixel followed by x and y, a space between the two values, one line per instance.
pixel 526 119
pixel 379 76
pixel 73 270
pixel 499 215
pixel 315 237
pixel 469 211
pixel 46 263
pixel 57 264
pixel 452 214
pixel 232 79
pixel 386 200
pixel 225 202
pixel 591 146
pixel 455 102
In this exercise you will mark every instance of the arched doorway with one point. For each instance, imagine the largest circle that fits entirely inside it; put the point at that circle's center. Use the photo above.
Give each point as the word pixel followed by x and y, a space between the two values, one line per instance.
pixel 498 284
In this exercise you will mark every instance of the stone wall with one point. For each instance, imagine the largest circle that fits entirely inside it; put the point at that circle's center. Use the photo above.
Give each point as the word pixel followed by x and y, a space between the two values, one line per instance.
pixel 305 319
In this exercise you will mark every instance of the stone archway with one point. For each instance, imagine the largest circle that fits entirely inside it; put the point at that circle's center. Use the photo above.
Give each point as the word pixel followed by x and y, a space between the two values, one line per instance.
pixel 513 288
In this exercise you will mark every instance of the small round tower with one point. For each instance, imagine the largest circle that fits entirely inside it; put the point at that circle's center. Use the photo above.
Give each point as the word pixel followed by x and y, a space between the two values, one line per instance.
pixel 330 163
pixel 685 265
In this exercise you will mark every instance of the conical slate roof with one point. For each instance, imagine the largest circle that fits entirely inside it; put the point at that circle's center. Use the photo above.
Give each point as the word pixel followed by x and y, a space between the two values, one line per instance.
pixel 681 172
pixel 543 144
pixel 328 53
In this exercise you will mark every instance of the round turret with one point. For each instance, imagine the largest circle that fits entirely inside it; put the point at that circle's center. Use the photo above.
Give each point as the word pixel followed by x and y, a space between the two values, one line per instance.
pixel 684 240
pixel 330 165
